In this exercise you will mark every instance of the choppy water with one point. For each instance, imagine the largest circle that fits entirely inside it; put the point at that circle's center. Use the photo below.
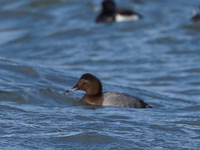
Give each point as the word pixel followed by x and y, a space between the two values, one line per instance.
pixel 45 46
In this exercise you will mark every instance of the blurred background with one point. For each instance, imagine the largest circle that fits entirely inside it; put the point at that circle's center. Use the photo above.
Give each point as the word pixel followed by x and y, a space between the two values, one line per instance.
pixel 46 45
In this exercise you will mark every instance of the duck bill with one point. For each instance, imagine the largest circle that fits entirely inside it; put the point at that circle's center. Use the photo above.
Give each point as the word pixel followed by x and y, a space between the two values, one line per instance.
pixel 75 88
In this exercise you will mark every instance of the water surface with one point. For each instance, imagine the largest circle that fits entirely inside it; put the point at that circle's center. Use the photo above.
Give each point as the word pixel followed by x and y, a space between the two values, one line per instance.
pixel 45 46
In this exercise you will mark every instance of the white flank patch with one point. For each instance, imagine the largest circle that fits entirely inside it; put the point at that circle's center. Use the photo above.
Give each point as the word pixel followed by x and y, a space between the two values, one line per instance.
pixel 122 18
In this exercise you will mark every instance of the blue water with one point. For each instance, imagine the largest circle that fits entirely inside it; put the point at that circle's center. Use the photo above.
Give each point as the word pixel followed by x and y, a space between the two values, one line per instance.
pixel 45 46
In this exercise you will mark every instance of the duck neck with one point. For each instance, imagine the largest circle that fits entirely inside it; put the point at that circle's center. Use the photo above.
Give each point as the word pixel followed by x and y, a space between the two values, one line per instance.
pixel 109 12
pixel 92 99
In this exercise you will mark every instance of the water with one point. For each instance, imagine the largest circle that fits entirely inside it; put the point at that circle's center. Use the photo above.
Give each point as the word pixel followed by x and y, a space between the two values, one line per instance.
pixel 45 46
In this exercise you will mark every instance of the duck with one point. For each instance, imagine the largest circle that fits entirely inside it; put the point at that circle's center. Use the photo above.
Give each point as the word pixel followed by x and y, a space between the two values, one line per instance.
pixel 94 95
pixel 110 13
pixel 196 17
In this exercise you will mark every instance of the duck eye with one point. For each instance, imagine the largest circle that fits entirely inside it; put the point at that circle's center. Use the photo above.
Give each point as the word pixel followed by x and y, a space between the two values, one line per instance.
pixel 82 81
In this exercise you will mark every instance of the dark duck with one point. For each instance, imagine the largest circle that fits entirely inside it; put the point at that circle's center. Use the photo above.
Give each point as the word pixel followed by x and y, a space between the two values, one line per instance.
pixel 110 13
pixel 196 17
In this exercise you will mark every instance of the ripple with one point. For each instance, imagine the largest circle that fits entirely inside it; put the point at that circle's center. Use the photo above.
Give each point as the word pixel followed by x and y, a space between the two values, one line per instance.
pixel 11 35
pixel 19 97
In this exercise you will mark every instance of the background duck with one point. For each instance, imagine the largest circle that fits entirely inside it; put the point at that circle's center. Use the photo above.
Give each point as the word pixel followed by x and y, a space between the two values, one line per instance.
pixel 196 17
pixel 110 13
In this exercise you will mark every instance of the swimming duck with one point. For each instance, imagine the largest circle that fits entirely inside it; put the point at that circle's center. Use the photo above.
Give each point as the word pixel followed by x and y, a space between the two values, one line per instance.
pixel 94 96
pixel 196 17
pixel 110 13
